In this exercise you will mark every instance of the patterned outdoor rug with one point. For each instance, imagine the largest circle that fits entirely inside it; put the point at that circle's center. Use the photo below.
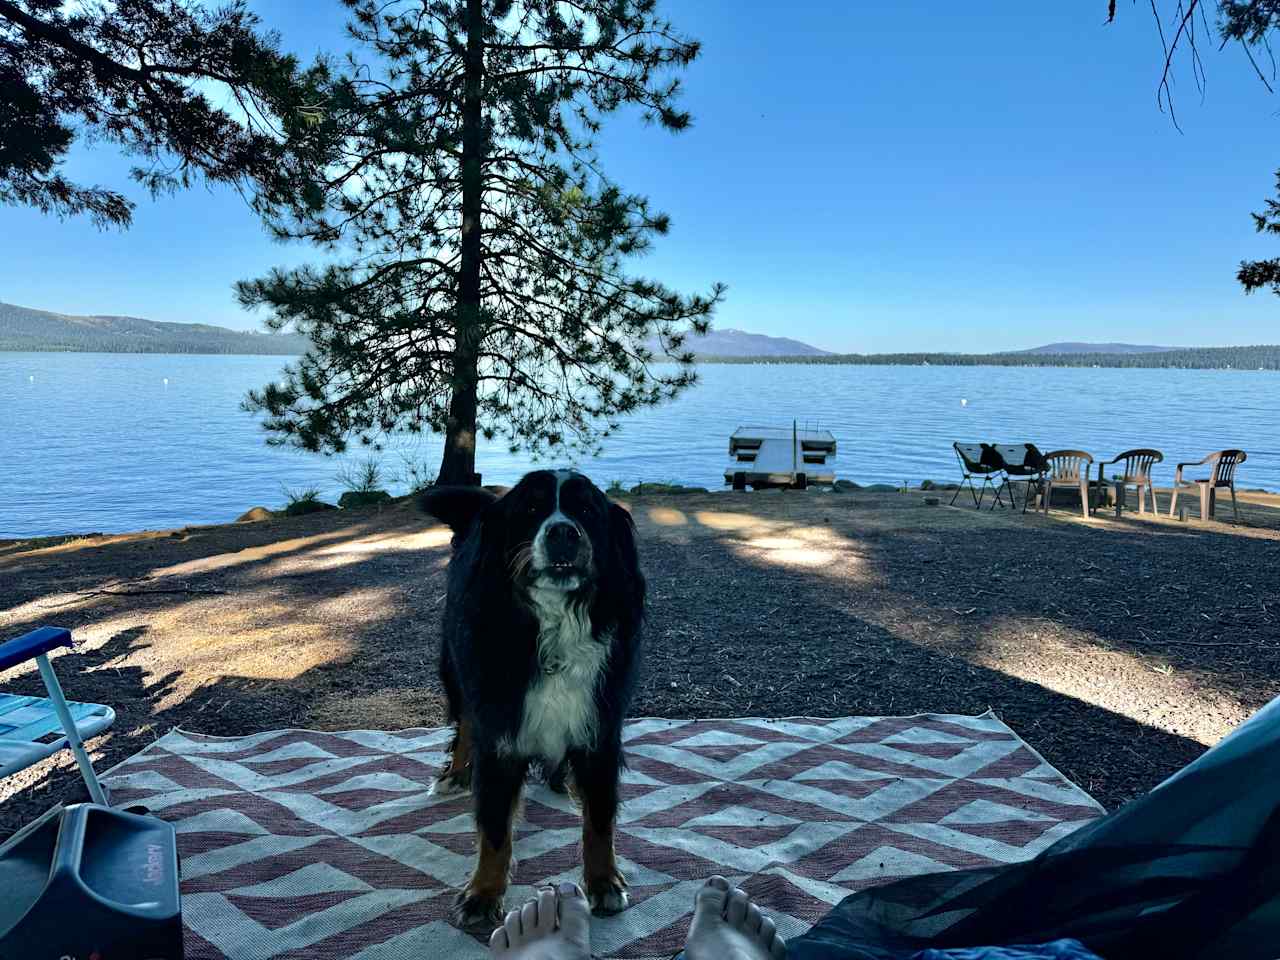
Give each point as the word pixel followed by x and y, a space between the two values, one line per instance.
pixel 298 844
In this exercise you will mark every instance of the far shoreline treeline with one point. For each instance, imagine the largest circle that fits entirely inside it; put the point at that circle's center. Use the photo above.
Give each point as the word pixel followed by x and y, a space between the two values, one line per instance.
pixel 1266 357
pixel 1263 357
pixel 250 345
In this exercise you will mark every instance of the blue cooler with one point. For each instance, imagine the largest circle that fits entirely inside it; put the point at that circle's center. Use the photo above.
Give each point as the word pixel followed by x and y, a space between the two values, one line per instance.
pixel 88 882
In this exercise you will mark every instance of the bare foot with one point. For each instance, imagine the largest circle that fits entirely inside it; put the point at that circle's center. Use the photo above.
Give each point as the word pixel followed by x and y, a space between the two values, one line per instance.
pixel 556 926
pixel 728 926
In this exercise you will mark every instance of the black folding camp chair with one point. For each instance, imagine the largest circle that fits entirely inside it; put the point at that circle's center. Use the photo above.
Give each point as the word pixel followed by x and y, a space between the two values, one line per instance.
pixel 1023 463
pixel 979 460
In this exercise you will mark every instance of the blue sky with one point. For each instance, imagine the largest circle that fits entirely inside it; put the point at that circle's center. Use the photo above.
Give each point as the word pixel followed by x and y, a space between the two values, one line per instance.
pixel 865 177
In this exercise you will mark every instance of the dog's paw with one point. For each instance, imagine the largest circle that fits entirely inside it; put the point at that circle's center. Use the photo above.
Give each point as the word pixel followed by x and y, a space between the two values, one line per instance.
pixel 449 783
pixel 559 779
pixel 477 912
pixel 607 895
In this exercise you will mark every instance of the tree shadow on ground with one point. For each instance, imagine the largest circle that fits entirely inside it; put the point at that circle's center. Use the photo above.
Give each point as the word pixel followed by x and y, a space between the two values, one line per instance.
pixel 327 622
pixel 1199 600
pixel 782 638
pixel 822 608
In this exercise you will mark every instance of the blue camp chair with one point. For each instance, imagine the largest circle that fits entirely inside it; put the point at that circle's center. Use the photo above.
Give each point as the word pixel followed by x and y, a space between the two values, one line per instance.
pixel 32 728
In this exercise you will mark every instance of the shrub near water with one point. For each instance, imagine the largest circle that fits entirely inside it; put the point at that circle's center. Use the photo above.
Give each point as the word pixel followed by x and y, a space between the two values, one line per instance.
pixel 416 475
pixel 363 482
pixel 303 501
pixel 666 488
pixel 362 498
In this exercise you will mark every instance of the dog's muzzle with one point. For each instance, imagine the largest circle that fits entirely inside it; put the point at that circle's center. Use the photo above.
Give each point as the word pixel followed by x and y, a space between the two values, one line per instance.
pixel 562 545
pixel 561 552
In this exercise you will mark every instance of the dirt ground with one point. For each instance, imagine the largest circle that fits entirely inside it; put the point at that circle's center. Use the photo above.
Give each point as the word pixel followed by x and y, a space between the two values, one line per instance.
pixel 1118 648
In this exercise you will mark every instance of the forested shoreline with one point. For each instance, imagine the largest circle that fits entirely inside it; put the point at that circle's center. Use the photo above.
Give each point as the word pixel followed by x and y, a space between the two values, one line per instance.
pixel 1263 357
pixel 247 344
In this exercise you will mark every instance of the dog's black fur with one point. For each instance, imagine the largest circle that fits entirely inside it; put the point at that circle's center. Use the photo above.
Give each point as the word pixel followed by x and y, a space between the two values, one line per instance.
pixel 490 660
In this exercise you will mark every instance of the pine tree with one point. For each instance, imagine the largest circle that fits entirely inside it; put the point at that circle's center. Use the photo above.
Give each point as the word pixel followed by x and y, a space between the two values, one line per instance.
pixel 1182 25
pixel 136 73
pixel 1256 274
pixel 1252 23
pixel 476 282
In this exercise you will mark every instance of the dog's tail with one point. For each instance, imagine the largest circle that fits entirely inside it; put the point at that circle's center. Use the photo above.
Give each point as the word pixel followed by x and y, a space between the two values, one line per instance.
pixel 456 507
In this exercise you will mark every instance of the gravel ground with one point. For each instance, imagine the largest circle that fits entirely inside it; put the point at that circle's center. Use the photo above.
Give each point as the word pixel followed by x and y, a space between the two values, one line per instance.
pixel 1119 649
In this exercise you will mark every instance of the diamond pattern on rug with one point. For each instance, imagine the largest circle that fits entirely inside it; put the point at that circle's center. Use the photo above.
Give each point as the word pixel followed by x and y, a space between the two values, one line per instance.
pixel 302 844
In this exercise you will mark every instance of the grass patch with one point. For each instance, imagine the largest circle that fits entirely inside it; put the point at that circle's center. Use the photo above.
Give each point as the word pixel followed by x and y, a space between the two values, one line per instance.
pixel 416 475
pixel 304 500
pixel 362 477
pixel 665 488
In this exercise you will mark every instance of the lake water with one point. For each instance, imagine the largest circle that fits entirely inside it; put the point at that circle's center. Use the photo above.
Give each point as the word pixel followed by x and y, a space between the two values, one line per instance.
pixel 101 442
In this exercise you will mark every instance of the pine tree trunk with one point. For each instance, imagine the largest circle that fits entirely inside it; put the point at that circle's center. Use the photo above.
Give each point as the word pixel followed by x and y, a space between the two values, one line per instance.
pixel 459 463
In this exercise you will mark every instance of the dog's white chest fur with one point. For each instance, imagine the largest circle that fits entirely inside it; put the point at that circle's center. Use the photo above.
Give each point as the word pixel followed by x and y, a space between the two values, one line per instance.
pixel 560 709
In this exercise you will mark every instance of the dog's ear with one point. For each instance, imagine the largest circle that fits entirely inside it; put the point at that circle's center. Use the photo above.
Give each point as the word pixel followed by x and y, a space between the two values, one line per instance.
pixel 456 507
pixel 622 528
pixel 627 577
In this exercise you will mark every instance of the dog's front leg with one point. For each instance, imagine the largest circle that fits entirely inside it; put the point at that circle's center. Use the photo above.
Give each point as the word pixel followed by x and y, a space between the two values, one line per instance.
pixel 495 786
pixel 595 775
pixel 456 777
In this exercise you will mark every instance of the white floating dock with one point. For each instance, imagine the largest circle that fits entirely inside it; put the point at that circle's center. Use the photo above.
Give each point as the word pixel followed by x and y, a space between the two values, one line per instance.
pixel 780 457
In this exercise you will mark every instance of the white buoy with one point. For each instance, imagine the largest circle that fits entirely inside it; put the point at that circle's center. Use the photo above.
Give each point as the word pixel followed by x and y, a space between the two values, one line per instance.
pixel 964 402
pixel 32 378
pixel 166 381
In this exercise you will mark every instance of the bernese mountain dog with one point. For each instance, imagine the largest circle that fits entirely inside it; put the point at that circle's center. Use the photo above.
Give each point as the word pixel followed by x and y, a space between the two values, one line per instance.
pixel 541 641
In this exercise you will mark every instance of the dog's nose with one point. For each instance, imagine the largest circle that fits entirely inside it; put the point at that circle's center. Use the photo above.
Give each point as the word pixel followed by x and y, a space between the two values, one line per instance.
pixel 562 542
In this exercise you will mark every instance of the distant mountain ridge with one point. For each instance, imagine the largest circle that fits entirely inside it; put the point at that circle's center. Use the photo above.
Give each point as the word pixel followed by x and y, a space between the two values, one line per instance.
pixel 739 343
pixel 1110 348
pixel 25 329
